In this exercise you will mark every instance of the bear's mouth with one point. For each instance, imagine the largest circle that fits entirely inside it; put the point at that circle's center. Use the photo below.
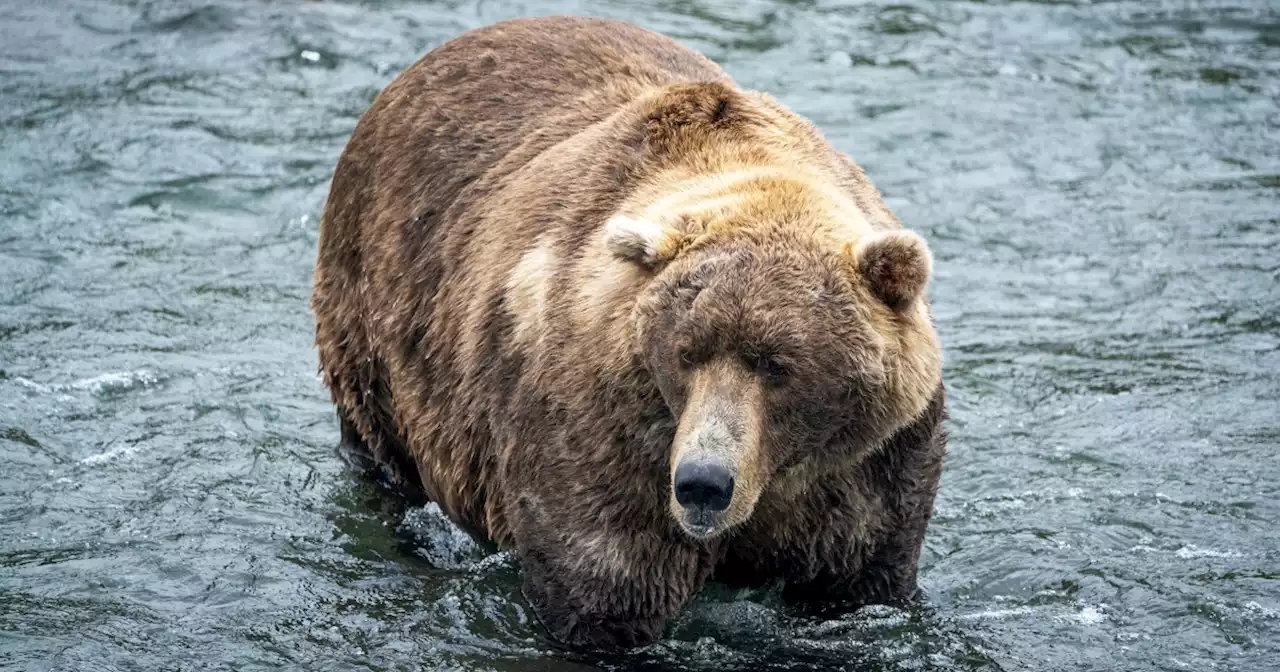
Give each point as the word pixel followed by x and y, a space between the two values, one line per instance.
pixel 699 523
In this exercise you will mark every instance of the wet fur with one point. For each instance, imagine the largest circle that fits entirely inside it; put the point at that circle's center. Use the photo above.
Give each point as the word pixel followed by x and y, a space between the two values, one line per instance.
pixel 480 331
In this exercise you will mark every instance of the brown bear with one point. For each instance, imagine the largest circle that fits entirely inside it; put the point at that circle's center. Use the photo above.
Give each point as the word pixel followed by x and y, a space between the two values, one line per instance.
pixel 639 325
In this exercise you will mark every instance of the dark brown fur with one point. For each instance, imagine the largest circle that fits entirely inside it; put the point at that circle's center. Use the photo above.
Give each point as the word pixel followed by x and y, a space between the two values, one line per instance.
pixel 541 415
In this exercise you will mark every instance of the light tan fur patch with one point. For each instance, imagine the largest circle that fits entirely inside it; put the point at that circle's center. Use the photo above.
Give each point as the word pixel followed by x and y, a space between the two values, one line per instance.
pixel 738 196
pixel 913 360
pixel 527 287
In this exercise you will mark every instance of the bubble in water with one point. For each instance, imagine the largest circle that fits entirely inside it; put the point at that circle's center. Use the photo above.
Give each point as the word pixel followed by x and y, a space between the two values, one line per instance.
pixel 441 542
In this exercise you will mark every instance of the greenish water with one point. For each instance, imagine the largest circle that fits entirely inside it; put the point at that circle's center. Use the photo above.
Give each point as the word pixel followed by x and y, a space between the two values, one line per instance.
pixel 1101 186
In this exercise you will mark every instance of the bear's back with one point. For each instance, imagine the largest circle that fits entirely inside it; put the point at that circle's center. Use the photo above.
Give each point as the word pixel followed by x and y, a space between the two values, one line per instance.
pixel 505 92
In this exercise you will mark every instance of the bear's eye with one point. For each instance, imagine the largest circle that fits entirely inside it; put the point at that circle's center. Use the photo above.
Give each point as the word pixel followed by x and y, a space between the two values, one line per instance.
pixel 769 368
pixel 689 290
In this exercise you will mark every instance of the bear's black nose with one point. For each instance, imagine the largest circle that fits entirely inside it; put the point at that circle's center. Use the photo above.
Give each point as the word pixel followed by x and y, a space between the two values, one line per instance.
pixel 704 485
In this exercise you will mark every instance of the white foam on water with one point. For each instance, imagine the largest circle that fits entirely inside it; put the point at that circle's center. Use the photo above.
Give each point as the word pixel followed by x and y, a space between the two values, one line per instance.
pixel 114 380
pixel 111 380
pixel 439 540
pixel 31 384
pixel 1089 615
pixel 107 456
pixel 998 506
pixel 1187 552
pixel 1255 608
pixel 495 560
pixel 1193 551
pixel 998 614
pixel 994 506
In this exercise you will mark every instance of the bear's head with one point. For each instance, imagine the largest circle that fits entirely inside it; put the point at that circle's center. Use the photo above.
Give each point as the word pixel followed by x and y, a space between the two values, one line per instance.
pixel 785 344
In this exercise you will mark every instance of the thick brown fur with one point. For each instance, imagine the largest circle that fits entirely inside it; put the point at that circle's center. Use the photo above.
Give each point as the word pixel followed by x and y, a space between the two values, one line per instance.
pixel 561 254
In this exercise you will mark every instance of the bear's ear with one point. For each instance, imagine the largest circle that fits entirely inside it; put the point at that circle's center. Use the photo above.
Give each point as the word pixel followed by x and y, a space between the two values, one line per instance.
pixel 697 104
pixel 896 265
pixel 642 241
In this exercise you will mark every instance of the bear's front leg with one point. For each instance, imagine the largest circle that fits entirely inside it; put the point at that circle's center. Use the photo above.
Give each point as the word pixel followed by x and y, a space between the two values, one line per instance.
pixel 887 577
pixel 853 571
pixel 605 584
pixel 856 570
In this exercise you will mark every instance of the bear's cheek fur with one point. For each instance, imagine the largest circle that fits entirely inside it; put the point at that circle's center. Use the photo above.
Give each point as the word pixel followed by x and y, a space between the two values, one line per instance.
pixel 661 358
pixel 833 410
pixel 800 421
pixel 660 333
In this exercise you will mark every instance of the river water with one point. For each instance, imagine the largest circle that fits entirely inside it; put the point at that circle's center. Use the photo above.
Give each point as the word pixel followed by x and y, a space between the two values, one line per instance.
pixel 1100 182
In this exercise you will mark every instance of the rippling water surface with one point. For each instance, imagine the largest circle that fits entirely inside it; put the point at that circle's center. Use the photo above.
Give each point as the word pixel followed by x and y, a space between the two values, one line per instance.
pixel 1100 183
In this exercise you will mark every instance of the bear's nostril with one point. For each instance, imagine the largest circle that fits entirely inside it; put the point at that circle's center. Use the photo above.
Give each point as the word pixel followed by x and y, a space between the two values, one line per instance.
pixel 705 485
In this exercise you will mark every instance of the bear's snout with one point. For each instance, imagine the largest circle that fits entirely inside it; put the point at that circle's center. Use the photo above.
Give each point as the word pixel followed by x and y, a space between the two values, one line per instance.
pixel 704 485
pixel 716 458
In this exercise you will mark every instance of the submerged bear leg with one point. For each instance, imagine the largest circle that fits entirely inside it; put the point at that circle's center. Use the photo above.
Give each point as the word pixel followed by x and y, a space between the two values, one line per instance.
pixel 909 466
pixel 368 434
pixel 601 586
pixel 888 577
pixel 349 435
